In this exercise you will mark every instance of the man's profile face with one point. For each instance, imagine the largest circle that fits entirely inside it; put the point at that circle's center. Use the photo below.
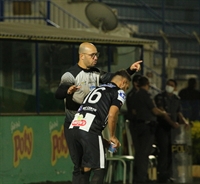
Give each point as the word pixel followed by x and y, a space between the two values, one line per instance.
pixel 90 56
pixel 171 83
pixel 126 85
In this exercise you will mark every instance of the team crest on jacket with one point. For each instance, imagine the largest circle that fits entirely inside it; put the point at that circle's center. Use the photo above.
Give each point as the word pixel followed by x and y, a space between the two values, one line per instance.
pixel 121 96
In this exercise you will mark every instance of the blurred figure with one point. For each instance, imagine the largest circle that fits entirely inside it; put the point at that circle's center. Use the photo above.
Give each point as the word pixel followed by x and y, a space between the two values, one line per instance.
pixel 145 111
pixel 130 96
pixel 190 100
pixel 154 90
pixel 169 102
pixel 190 92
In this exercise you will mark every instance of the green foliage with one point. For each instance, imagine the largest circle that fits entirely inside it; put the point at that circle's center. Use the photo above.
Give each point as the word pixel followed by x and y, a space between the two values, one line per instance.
pixel 196 142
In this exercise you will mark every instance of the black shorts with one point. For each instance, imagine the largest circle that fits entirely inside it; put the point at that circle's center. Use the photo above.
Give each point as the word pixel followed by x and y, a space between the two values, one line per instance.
pixel 69 117
pixel 86 149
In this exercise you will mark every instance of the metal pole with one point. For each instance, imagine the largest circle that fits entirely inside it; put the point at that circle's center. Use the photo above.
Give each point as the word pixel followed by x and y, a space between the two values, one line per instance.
pixel 48 13
pixel 1 10
pixel 75 53
pixel 196 36
pixel 37 79
pixel 169 52
pixel 109 52
pixel 163 47
pixel 142 58
pixel 199 32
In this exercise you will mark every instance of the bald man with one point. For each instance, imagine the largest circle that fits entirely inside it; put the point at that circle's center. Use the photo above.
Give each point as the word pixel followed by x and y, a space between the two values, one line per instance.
pixel 81 78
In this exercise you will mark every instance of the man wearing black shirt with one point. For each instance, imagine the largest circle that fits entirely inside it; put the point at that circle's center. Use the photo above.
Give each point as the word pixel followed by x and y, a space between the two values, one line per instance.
pixel 169 102
pixel 99 108
pixel 190 100
pixel 145 126
pixel 130 96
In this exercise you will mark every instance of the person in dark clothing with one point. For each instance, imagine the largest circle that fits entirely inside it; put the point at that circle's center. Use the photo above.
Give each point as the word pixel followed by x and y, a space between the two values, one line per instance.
pixel 153 89
pixel 130 95
pixel 129 103
pixel 190 92
pixel 80 79
pixel 190 100
pixel 144 130
pixel 169 102
pixel 99 108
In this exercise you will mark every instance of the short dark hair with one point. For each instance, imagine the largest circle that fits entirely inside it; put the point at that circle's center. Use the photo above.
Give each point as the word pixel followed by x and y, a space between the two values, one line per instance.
pixel 124 74
pixel 143 81
pixel 136 78
pixel 192 82
pixel 172 80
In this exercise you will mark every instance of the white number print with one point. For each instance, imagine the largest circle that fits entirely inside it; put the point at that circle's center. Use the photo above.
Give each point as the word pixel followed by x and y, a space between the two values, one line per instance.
pixel 94 96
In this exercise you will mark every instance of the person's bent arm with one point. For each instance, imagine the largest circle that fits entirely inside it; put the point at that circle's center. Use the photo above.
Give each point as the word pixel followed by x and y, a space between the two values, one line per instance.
pixel 106 76
pixel 182 120
pixel 163 114
pixel 61 92
pixel 67 86
pixel 135 67
pixel 112 120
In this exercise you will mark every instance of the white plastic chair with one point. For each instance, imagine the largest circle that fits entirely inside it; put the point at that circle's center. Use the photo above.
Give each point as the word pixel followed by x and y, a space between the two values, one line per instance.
pixel 124 159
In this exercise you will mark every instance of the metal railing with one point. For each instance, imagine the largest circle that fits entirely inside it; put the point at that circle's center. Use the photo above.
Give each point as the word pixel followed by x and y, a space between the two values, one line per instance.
pixel 160 18
pixel 38 11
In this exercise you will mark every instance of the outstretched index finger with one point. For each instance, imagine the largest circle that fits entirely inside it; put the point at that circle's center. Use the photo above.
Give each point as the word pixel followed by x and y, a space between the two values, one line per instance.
pixel 138 62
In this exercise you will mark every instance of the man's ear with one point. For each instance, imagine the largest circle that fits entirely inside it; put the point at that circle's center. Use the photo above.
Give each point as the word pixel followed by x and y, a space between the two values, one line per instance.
pixel 124 82
pixel 81 55
pixel 121 84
